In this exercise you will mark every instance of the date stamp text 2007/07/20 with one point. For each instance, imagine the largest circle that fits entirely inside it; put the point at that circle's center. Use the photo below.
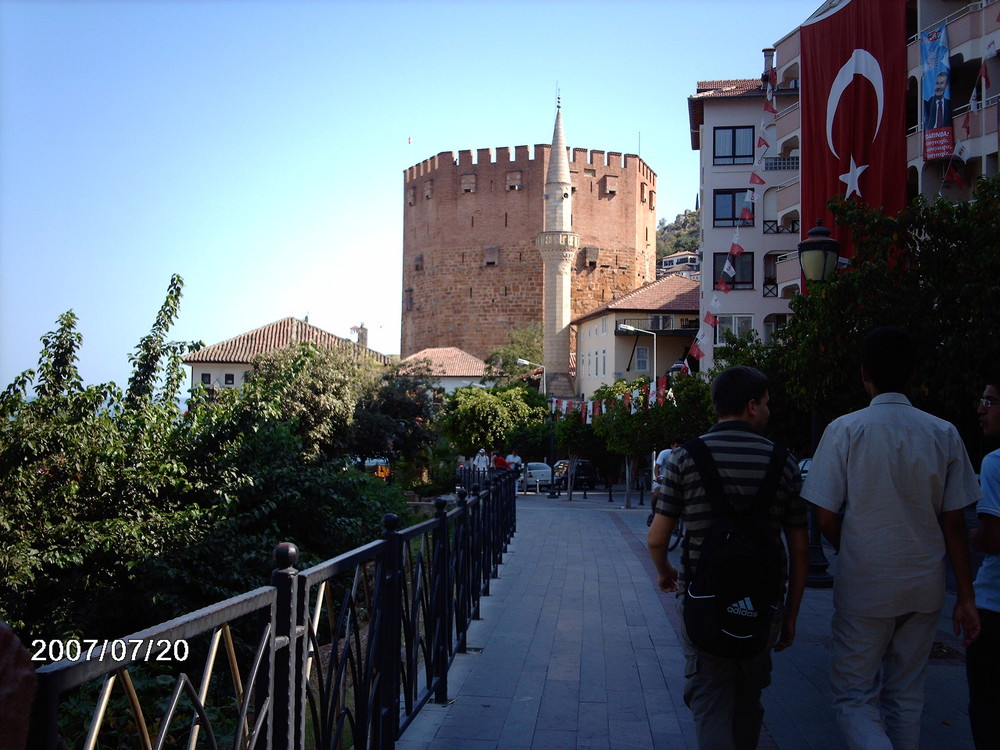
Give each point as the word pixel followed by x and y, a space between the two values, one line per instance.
pixel 118 649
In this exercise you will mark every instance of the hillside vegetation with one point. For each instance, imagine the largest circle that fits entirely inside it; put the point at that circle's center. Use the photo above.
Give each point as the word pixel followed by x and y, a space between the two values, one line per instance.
pixel 679 235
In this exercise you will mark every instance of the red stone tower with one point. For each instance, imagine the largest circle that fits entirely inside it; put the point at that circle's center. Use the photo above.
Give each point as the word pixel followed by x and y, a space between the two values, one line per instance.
pixel 471 268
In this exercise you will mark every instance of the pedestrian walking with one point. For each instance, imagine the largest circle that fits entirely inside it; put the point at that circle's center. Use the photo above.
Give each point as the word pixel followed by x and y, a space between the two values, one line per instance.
pixel 982 658
pixel 732 475
pixel 900 478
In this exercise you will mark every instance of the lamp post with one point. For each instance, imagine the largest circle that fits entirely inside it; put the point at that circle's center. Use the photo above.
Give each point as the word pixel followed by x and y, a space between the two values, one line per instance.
pixel 533 364
pixel 818 256
pixel 552 447
pixel 633 329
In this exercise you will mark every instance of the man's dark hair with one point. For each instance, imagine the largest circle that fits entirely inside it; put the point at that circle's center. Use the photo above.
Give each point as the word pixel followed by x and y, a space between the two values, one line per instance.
pixel 735 387
pixel 888 355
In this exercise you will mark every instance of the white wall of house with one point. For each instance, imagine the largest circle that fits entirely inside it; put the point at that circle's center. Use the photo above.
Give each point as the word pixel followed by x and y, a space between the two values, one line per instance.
pixel 755 300
pixel 219 375
pixel 602 358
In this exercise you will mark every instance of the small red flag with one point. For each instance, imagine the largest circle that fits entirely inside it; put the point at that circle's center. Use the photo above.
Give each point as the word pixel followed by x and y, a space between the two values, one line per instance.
pixel 952 175
pixel 984 73
pixel 746 214
pixel 966 125
pixel 711 319
pixel 722 286
pixel 761 143
pixel 756 179
pixel 736 250
pixel 695 351
pixel 769 107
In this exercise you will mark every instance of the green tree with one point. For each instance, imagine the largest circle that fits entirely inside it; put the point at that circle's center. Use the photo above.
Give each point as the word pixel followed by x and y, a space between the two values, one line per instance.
pixel 680 235
pixel 116 504
pixel 485 418
pixel 933 270
pixel 322 396
pixel 523 343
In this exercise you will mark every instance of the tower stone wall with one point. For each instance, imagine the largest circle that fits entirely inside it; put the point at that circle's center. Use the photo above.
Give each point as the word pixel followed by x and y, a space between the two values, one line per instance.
pixel 471 269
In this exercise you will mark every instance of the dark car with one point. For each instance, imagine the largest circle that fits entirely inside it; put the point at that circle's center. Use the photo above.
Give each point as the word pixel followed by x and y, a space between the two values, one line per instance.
pixel 584 474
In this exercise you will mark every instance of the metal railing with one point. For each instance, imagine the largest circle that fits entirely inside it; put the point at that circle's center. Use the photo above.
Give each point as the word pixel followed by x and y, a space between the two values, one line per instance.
pixel 343 654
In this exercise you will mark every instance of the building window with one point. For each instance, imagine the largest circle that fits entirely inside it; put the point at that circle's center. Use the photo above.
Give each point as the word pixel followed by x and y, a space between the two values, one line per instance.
pixel 491 255
pixel 514 180
pixel 652 200
pixel 418 263
pixel 604 362
pixel 206 378
pixel 611 184
pixel 774 323
pixel 411 195
pixel 642 358
pixel 737 324
pixel 468 183
pixel 428 189
pixel 729 209
pixel 734 146
pixel 230 379
pixel 744 270
pixel 408 299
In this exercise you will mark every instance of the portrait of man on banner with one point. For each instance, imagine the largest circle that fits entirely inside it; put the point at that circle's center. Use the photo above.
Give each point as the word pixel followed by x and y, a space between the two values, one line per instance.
pixel 939 138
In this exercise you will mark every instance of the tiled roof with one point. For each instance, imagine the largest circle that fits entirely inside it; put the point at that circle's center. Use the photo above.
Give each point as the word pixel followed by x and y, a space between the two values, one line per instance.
pixel 278 335
pixel 726 89
pixel 450 361
pixel 731 87
pixel 672 293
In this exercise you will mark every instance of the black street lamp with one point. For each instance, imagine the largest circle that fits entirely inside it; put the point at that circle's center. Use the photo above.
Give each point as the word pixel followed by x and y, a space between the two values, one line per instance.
pixel 818 256
pixel 552 447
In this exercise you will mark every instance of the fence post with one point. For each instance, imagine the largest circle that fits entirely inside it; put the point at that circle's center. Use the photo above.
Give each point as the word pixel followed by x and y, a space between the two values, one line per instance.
pixel 442 606
pixel 462 576
pixel 390 636
pixel 283 683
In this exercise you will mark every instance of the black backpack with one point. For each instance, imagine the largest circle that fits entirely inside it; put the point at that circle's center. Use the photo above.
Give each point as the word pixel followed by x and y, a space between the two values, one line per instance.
pixel 735 589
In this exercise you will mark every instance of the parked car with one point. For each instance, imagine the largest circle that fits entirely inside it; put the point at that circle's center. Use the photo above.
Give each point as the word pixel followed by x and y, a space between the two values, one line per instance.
pixel 584 474
pixel 534 474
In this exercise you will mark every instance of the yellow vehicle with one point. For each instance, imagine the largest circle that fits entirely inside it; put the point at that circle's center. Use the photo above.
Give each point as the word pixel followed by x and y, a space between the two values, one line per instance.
pixel 378 467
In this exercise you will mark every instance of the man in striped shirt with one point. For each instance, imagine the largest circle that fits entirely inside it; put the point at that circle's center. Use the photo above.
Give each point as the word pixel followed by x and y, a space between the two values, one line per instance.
pixel 724 694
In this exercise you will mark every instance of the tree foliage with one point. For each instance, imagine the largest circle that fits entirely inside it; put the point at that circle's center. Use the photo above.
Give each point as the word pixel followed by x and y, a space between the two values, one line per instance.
pixel 523 343
pixel 680 235
pixel 485 418
pixel 121 511
pixel 934 271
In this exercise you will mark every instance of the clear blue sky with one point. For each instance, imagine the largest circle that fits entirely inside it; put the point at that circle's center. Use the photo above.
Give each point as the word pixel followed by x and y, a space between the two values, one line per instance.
pixel 256 147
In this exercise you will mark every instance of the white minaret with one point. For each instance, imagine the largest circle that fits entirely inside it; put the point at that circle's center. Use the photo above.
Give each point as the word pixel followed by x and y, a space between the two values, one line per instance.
pixel 558 246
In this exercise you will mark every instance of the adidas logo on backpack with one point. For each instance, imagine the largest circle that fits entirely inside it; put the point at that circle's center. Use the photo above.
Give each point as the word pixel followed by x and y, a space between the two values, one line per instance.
pixel 743 607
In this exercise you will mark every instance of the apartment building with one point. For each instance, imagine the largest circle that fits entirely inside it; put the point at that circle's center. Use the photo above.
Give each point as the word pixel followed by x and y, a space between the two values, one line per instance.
pixel 867 122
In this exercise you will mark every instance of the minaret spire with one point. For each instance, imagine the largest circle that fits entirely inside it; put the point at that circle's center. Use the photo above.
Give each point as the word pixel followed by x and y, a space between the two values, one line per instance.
pixel 558 246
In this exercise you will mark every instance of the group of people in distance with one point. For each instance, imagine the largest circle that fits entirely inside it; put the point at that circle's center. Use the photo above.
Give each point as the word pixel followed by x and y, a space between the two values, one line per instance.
pixel 495 460
pixel 889 484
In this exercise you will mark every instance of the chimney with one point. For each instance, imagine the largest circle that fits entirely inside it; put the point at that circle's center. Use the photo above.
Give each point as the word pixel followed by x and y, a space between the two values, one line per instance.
pixel 768 64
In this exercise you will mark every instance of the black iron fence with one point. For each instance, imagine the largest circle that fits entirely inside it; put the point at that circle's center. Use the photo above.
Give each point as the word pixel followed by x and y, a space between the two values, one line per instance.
pixel 343 654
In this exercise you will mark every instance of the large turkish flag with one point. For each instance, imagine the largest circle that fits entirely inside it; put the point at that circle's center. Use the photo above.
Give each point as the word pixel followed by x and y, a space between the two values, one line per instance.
pixel 853 55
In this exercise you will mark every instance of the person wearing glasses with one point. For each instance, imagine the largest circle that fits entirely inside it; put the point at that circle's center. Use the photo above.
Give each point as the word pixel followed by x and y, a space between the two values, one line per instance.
pixel 982 658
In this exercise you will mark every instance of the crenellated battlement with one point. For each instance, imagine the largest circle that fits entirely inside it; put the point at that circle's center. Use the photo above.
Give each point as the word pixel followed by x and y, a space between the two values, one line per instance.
pixel 527 157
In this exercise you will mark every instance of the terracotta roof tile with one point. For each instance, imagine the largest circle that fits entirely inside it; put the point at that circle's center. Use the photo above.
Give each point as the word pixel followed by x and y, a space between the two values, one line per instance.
pixel 278 335
pixel 450 361
pixel 672 293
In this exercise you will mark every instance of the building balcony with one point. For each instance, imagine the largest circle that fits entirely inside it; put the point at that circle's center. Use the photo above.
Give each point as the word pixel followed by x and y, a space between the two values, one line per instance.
pixel 773 163
pixel 666 325
pixel 773 226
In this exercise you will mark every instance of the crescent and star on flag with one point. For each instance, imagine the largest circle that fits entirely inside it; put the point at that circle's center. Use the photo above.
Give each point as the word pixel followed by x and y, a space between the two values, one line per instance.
pixel 862 63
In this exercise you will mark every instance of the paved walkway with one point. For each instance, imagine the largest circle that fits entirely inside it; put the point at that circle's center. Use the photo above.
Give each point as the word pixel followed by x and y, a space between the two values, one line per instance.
pixel 577 648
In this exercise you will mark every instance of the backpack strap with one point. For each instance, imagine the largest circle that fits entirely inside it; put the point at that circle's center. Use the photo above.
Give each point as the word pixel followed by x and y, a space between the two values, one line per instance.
pixel 710 478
